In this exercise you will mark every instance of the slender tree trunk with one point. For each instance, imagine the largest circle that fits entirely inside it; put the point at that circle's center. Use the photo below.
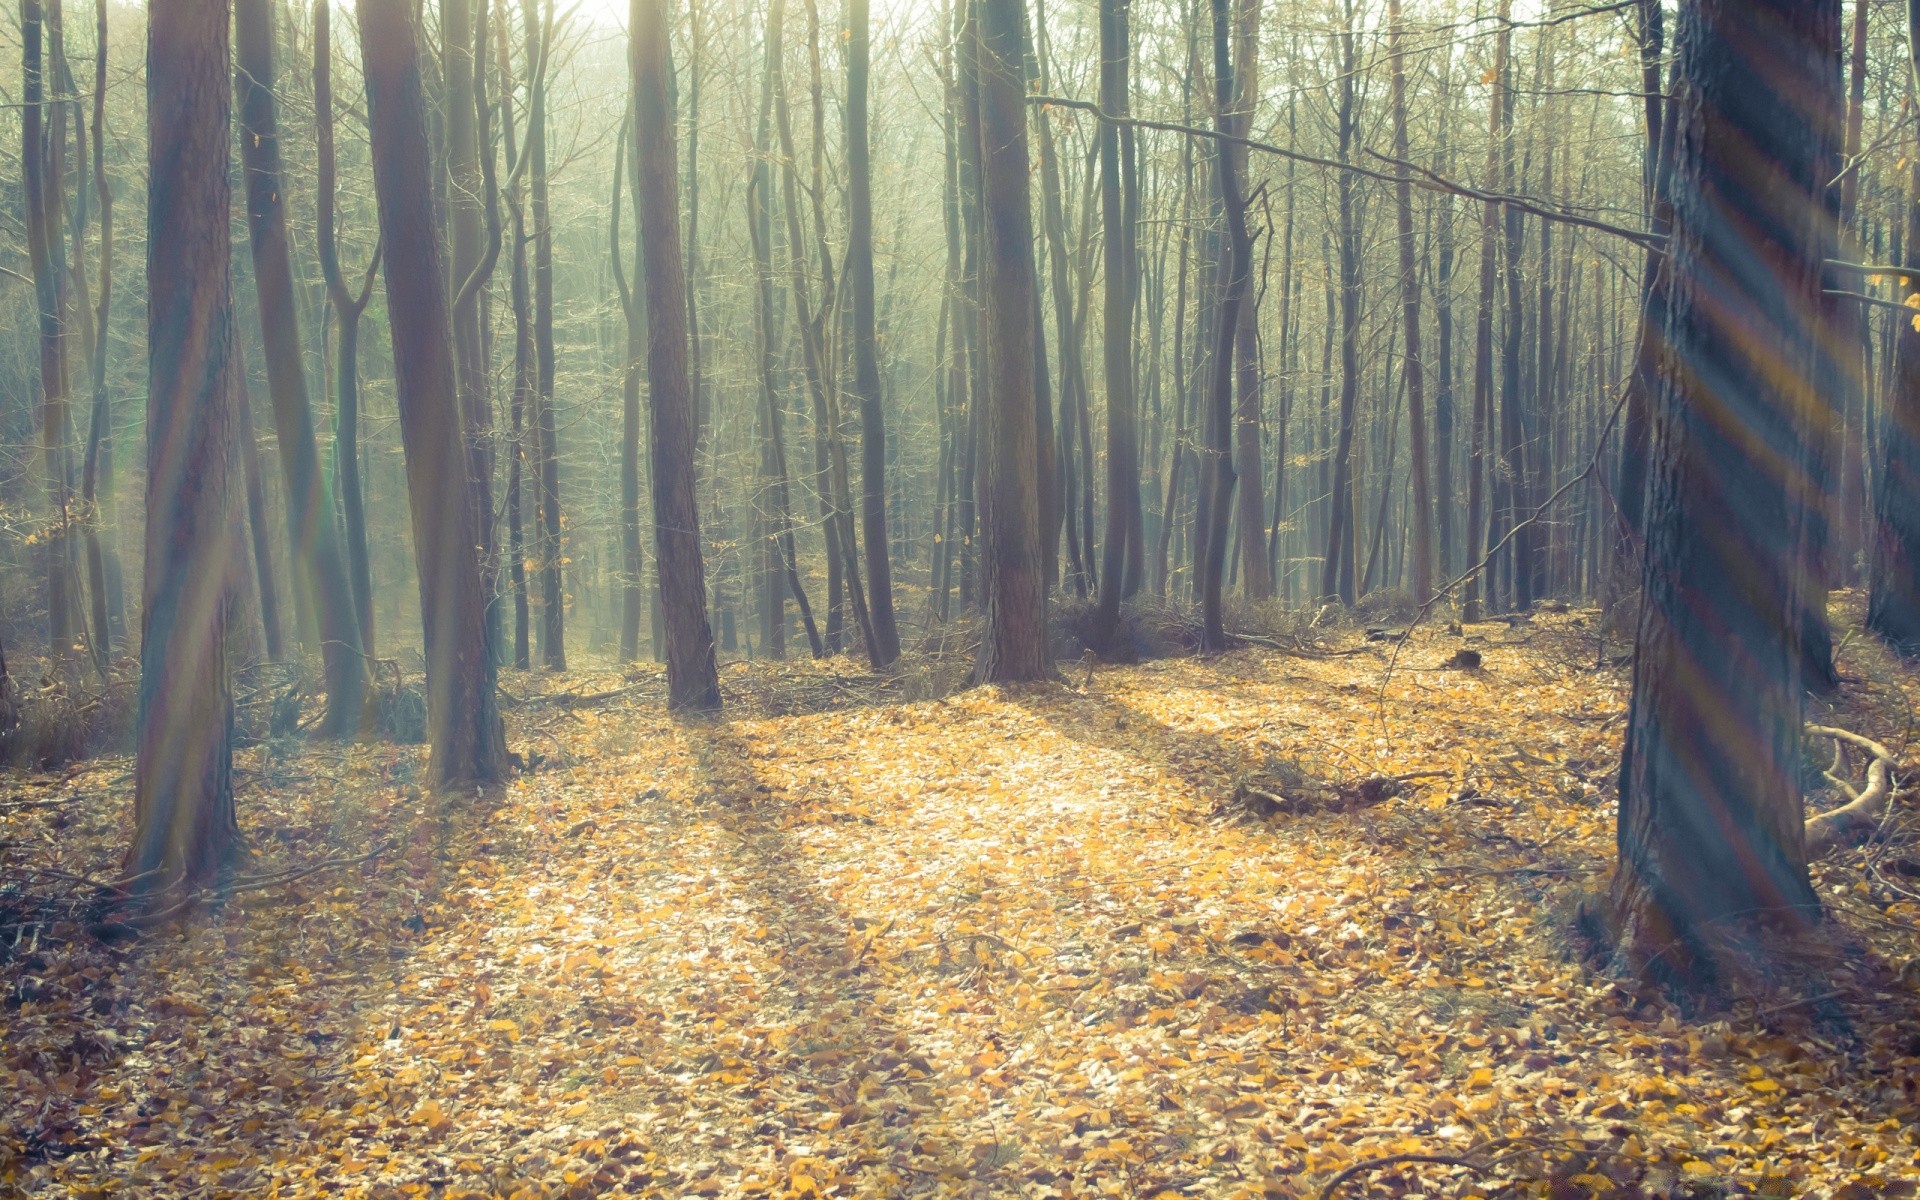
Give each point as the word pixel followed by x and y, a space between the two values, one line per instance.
pixel 1410 304
pixel 1337 580
pixel 693 681
pixel 320 569
pixel 1711 841
pixel 1123 419
pixel 551 548
pixel 97 491
pixel 1479 578
pixel 184 832
pixel 464 731
pixel 348 307
pixel 43 179
pixel 884 646
pixel 1256 573
pixel 634 312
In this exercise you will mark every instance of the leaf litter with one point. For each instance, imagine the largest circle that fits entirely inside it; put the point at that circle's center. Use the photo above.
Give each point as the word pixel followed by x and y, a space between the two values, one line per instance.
pixel 1039 942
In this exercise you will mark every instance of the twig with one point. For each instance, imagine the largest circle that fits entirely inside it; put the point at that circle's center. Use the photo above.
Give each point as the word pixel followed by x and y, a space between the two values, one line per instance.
pixel 1374 1164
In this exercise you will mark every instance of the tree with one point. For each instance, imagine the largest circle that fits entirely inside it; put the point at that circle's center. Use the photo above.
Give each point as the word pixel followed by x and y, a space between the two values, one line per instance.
pixel 1123 434
pixel 43 172
pixel 553 629
pixel 348 307
pixel 885 643
pixel 1012 568
pixel 1711 835
pixel 1256 574
pixel 1893 601
pixel 320 570
pixel 185 834
pixel 1410 304
pixel 467 740
pixel 693 680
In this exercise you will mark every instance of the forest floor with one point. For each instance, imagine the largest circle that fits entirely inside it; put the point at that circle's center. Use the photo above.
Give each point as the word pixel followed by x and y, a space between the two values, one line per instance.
pixel 1143 932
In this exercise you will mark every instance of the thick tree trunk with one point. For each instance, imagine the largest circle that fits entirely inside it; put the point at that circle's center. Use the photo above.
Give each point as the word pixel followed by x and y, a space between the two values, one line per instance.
pixel 1013 573
pixel 468 742
pixel 320 569
pixel 184 831
pixel 1893 603
pixel 693 681
pixel 1711 839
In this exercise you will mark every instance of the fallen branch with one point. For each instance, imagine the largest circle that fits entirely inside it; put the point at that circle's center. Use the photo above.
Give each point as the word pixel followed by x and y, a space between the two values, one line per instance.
pixel 1863 809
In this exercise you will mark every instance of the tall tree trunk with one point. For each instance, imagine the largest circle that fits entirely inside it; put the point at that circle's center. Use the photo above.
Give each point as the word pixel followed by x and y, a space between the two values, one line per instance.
pixel 1219 476
pixel 553 629
pixel 184 832
pixel 693 680
pixel 1256 573
pixel 348 307
pixel 1711 839
pixel 97 490
pixel 467 740
pixel 463 54
pixel 43 179
pixel 632 308
pixel 320 569
pixel 1121 263
pixel 884 647
pixel 1013 573
pixel 1337 579
pixel 1410 304
pixel 1479 578
pixel 1893 601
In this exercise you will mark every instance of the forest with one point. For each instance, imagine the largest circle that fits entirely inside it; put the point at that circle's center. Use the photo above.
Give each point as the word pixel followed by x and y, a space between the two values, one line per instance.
pixel 586 610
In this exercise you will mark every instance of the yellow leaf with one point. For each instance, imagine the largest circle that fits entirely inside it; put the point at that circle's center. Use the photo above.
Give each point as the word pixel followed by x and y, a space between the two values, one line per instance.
pixel 1694 1166
pixel 510 1028
pixel 1481 1078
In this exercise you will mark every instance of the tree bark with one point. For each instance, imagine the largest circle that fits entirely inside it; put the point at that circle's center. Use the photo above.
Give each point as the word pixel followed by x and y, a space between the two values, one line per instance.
pixel 467 739
pixel 551 549
pixel 1123 417
pixel 693 680
pixel 1337 580
pixel 43 180
pixel 885 645
pixel 1893 600
pixel 1012 571
pixel 1410 304
pixel 185 834
pixel 320 569
pixel 1256 575
pixel 1711 840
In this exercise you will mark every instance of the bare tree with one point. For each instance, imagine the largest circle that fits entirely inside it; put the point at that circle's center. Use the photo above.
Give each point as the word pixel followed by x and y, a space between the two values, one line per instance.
pixel 184 832
pixel 468 742
pixel 693 680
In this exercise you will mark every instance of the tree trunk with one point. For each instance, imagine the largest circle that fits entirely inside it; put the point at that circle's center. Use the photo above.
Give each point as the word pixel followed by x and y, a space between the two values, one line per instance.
pixel 1893 602
pixel 256 521
pixel 1013 573
pixel 468 742
pixel 320 569
pixel 1410 304
pixel 97 491
pixel 184 831
pixel 634 312
pixel 553 629
pixel 885 645
pixel 1256 573
pixel 1123 417
pixel 1337 579
pixel 1711 840
pixel 43 179
pixel 693 680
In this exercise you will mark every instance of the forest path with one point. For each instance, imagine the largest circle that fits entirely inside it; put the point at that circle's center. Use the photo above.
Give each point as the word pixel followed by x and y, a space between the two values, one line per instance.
pixel 1008 943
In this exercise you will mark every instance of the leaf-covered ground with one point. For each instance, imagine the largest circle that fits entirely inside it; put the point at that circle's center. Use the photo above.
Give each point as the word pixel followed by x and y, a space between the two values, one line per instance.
pixel 1145 932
